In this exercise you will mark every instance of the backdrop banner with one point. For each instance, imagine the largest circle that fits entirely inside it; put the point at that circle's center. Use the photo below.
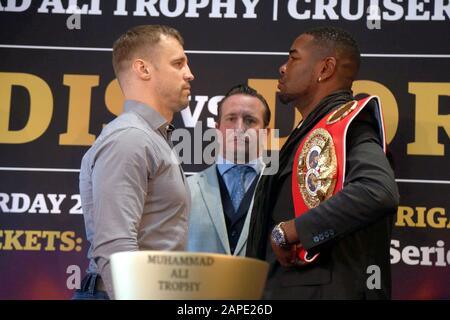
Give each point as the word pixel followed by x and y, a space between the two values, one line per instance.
pixel 58 90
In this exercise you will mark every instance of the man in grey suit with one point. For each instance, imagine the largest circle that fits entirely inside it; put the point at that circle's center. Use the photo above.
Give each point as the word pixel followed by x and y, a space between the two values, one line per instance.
pixel 222 194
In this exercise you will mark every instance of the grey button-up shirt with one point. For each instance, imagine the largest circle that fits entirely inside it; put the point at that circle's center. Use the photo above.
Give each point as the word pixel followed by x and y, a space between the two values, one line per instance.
pixel 133 190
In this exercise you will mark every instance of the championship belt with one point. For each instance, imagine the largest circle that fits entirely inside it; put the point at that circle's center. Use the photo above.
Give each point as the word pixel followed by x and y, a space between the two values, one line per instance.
pixel 319 165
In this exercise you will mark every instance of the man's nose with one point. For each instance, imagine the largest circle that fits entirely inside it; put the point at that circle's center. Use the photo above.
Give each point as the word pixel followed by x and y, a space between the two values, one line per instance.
pixel 239 125
pixel 189 76
pixel 282 69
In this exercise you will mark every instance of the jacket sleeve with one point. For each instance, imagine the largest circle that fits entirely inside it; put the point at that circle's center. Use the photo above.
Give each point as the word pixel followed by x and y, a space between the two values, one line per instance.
pixel 369 193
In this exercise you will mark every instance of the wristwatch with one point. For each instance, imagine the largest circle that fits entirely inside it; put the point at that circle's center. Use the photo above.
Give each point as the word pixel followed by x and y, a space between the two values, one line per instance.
pixel 279 236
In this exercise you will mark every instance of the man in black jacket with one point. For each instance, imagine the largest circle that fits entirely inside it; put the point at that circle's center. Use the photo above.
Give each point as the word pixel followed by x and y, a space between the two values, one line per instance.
pixel 349 228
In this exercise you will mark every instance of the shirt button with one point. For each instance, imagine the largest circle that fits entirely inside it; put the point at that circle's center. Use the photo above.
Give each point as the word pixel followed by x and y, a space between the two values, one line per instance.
pixel 233 233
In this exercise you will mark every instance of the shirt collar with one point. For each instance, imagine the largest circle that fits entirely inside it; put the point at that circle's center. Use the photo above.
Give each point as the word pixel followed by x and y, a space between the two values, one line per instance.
pixel 223 165
pixel 153 118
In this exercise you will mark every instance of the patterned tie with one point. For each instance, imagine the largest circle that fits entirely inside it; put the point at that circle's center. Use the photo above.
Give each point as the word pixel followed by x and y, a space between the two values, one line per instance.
pixel 240 174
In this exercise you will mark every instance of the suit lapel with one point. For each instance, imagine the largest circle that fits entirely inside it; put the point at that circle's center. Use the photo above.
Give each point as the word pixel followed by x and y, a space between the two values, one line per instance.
pixel 209 187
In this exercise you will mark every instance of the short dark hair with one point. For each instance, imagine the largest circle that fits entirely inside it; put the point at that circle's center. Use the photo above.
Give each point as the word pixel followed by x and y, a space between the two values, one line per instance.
pixel 249 91
pixel 338 40
pixel 136 40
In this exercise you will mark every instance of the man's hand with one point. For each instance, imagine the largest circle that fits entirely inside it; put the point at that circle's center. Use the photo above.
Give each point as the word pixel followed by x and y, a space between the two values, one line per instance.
pixel 287 256
pixel 291 232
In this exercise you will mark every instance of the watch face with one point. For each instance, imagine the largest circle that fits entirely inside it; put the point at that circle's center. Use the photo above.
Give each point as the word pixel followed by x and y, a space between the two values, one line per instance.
pixel 278 236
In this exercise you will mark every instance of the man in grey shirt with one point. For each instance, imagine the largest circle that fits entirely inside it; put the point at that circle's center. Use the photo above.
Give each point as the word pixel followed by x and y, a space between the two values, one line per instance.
pixel 133 191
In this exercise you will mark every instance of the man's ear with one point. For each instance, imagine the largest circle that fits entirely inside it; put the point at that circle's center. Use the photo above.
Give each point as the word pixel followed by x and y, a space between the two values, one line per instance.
pixel 141 69
pixel 328 69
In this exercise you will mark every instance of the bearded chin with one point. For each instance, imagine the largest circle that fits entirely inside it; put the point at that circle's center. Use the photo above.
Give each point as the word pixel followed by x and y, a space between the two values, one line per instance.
pixel 286 98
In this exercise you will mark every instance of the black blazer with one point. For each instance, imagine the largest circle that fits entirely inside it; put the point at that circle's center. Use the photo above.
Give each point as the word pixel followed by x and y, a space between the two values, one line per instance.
pixel 351 230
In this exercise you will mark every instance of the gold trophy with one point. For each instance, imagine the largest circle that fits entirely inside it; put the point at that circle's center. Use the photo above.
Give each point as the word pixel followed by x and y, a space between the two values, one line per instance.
pixel 169 275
